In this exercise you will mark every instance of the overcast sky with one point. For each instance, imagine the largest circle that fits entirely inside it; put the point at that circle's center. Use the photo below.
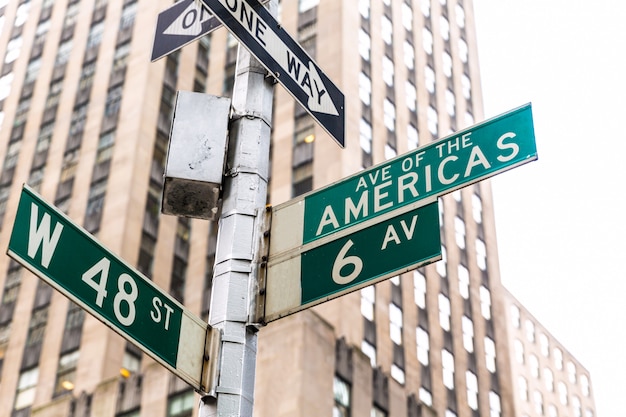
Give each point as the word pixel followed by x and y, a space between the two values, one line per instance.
pixel 561 221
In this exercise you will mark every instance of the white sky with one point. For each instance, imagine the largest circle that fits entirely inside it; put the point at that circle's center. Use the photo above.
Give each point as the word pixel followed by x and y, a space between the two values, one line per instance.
pixel 561 221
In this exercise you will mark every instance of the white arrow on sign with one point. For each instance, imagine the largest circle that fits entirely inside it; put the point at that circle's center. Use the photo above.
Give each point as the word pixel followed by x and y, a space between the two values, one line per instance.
pixel 285 59
pixel 189 22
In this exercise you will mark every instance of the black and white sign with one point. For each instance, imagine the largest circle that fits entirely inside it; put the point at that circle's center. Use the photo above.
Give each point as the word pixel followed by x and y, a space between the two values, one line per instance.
pixel 182 23
pixel 285 59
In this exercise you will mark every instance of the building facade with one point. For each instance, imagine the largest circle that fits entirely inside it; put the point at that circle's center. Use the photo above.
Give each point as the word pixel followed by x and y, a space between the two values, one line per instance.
pixel 85 118
pixel 548 380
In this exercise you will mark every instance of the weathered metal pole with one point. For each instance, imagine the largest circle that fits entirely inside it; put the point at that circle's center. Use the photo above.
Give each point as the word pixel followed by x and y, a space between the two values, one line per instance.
pixel 235 273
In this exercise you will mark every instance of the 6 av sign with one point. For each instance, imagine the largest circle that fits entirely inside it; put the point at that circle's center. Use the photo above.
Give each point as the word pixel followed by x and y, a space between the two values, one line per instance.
pixel 382 221
pixel 68 258
pixel 285 59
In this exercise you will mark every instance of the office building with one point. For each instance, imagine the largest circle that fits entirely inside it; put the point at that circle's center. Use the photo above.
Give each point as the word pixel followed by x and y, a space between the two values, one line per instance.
pixel 84 120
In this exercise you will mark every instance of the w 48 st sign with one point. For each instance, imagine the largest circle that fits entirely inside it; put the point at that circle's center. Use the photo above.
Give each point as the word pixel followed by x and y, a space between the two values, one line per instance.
pixel 68 258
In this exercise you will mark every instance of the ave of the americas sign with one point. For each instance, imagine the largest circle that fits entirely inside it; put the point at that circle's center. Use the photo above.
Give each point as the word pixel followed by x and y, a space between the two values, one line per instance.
pixel 68 258
pixel 332 240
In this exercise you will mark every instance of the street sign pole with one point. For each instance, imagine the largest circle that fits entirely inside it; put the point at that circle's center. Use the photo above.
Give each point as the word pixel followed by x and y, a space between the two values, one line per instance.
pixel 235 272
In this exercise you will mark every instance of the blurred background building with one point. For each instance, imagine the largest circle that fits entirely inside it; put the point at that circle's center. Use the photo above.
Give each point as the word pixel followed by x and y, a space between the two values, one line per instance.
pixel 85 119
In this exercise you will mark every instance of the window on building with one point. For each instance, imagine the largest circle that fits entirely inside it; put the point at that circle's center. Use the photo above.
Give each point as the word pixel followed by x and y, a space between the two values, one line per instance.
pixel 425 396
pixel 427 41
pixel 464 281
pixel 386 32
pixel 368 300
pixel 22 14
pixel 95 34
pixel 370 351
pixel 423 345
pixel 490 354
pixel 441 266
pixel 5 85
pixel 412 137
pixel 468 333
pixel 429 79
pixel 450 103
pixel 538 402
pixel 365 135
pixel 13 49
pixel 365 44
pixel 447 64
pixel 128 14
pixel 447 363
pixel 494 404
pixel 342 396
pixel 552 411
pixel 181 404
pixel 530 331
pixel 66 372
pixel 466 86
pixel 419 282
pixel 433 120
pixel 397 373
pixel 460 15
pixel 365 88
pixel 304 5
pixel 395 323
pixel 557 354
pixel 389 115
pixel 519 351
pixel 533 364
pixel 578 411
pixel 63 53
pixel 364 8
pixel 481 254
pixel 444 312
pixel 26 387
pixel 523 388
pixel 377 412
pixel 471 382
pixel 463 51
pixel 444 27
pixel 548 378
pixel 562 393
pixel 485 302
pixel 584 385
pixel 411 96
pixel 388 71
pixel 409 55
pixel 544 344
pixel 571 372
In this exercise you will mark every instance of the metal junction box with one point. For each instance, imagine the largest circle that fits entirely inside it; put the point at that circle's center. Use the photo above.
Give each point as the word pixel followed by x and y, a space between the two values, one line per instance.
pixel 196 156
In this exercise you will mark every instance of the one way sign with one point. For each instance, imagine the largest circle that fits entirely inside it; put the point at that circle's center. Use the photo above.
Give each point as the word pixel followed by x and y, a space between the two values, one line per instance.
pixel 285 59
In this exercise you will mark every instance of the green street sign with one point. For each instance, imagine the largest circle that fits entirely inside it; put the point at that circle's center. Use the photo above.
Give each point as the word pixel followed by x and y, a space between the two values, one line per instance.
pixel 463 158
pixel 321 237
pixel 67 257
pixel 328 269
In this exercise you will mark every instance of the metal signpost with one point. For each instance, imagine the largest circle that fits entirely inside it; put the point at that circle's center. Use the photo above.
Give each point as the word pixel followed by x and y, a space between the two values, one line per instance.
pixel 67 257
pixel 381 193
pixel 378 223
pixel 286 61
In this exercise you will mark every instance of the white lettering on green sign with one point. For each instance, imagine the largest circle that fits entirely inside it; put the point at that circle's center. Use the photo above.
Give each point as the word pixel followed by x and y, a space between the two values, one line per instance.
pixel 380 190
